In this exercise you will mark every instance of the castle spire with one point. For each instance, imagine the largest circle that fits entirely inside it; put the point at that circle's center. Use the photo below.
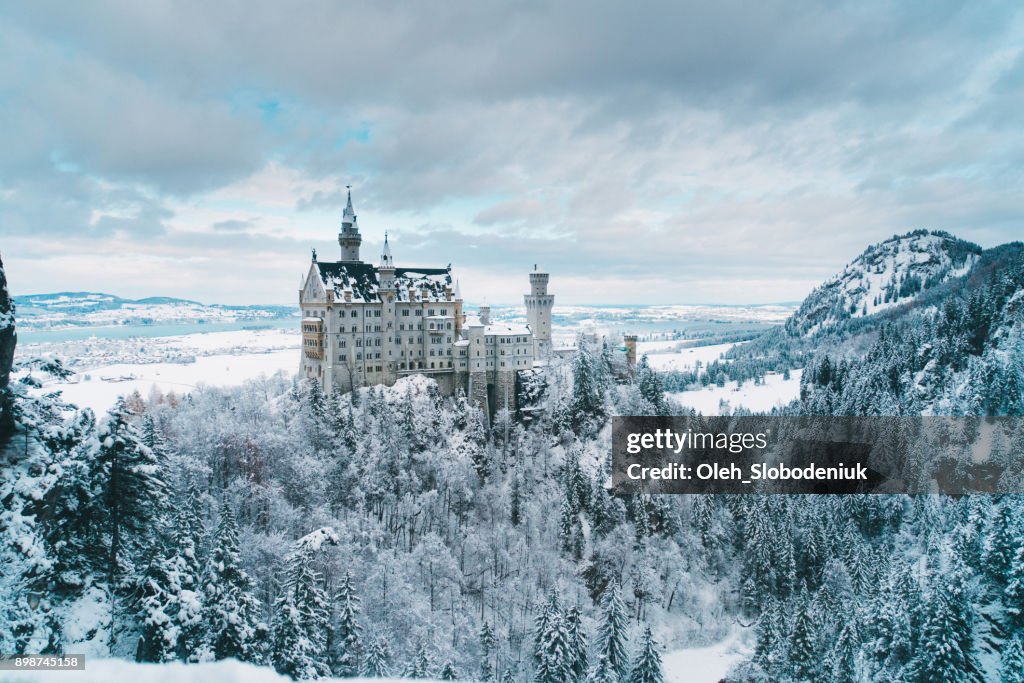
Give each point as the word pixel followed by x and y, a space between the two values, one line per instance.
pixel 349 238
pixel 385 257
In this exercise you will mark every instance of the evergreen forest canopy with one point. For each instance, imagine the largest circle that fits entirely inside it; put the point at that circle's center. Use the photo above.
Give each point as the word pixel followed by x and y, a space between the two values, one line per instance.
pixel 394 532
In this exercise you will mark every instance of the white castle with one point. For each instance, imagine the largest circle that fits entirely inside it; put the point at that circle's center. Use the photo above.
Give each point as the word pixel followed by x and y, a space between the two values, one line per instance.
pixel 364 324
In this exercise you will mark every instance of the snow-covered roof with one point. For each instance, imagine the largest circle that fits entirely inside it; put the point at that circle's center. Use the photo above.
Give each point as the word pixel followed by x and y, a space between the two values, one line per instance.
pixel 411 284
pixel 505 328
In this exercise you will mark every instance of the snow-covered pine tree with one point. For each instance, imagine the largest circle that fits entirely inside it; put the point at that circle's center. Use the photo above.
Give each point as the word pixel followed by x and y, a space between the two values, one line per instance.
pixel 946 651
pixel 375 664
pixel 448 672
pixel 647 665
pixel 579 648
pixel 650 386
pixel 554 652
pixel 301 620
pixel 1011 663
pixel 487 645
pixel 132 496
pixel 602 672
pixel 613 635
pixel 587 402
pixel 419 667
pixel 803 648
pixel 347 633
pixel 231 611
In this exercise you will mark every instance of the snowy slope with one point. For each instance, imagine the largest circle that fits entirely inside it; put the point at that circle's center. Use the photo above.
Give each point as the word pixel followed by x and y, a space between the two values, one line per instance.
pixel 885 275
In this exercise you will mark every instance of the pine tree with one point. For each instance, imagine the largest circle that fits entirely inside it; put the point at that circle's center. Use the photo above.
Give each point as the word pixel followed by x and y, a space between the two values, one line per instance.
pixel 231 611
pixel 133 495
pixel 516 501
pixel 1000 542
pixel 301 620
pixel 419 667
pixel 375 664
pixel 448 672
pixel 612 634
pixel 946 646
pixel 603 672
pixel 647 665
pixel 803 651
pixel 1014 592
pixel 578 646
pixel 587 403
pixel 347 632
pixel 554 654
pixel 650 386
pixel 1011 664
pixel 487 645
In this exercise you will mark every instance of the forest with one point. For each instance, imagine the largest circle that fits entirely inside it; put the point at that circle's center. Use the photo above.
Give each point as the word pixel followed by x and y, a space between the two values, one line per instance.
pixel 398 532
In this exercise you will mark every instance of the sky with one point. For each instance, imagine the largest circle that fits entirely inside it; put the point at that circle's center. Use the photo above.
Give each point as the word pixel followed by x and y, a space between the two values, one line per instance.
pixel 649 152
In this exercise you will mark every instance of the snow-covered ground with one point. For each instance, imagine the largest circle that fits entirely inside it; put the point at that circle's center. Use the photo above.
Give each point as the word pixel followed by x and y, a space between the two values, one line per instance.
pixel 668 355
pixel 775 391
pixel 105 369
pixel 99 388
pixel 705 664
pixel 121 671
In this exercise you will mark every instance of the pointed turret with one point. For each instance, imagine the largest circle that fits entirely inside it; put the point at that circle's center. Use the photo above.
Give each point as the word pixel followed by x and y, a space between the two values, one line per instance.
pixel 349 237
pixel 386 261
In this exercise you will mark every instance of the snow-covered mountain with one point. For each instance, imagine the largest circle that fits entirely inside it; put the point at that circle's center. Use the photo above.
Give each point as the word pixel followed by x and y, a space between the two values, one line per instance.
pixel 887 274
pixel 63 309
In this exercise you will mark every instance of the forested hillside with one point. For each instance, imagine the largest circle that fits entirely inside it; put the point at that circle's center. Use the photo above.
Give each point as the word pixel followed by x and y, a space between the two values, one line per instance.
pixel 393 531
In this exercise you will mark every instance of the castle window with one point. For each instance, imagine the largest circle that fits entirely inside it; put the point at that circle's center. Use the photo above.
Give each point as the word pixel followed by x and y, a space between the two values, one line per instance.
pixel 342 357
pixel 342 343
pixel 359 356
pixel 405 312
pixel 355 313
pixel 444 311
pixel 359 342
pixel 419 311
pixel 430 311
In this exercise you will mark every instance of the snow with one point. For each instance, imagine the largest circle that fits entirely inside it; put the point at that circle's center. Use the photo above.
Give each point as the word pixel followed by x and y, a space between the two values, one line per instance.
pixel 661 358
pixel 775 392
pixel 100 388
pixel 117 670
pixel 708 664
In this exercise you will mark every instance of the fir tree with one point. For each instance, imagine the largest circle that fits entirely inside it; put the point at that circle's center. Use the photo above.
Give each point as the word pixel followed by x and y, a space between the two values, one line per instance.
pixel 419 667
pixel 231 611
pixel 347 632
pixel 1011 663
pixel 301 620
pixel 375 664
pixel 803 651
pixel 647 665
pixel 487 645
pixel 612 633
pixel 448 672
pixel 578 645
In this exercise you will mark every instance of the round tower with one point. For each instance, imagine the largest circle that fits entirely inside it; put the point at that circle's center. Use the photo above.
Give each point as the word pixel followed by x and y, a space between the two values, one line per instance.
pixel 349 237
pixel 538 312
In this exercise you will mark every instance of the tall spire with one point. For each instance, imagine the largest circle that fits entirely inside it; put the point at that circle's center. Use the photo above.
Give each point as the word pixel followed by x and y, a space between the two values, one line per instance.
pixel 385 257
pixel 349 237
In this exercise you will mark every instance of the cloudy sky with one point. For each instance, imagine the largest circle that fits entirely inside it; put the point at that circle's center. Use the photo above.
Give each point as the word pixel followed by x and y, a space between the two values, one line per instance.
pixel 725 152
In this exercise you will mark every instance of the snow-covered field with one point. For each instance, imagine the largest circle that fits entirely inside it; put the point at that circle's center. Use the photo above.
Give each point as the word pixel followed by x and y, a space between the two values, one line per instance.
pixel 705 664
pixel 775 391
pixel 668 355
pixel 108 368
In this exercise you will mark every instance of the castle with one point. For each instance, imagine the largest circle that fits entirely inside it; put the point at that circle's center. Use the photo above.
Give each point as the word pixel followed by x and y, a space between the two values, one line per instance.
pixel 365 324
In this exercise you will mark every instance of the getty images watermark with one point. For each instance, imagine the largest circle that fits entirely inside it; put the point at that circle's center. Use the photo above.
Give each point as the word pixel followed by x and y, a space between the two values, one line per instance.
pixel 818 454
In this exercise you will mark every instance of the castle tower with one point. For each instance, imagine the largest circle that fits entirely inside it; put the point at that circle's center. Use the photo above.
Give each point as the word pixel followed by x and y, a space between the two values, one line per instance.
pixel 629 340
pixel 538 313
pixel 349 237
